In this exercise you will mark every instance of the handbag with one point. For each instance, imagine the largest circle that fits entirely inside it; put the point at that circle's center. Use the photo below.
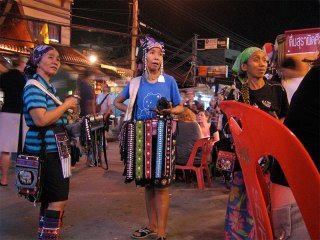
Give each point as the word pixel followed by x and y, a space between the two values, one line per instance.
pixel 226 160
pixel 28 171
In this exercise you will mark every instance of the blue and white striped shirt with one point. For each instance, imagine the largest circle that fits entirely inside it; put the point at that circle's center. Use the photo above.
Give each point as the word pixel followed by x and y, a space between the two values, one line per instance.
pixel 33 97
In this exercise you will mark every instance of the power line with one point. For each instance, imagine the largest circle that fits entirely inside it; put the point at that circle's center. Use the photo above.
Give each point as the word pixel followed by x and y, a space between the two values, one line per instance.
pixel 72 26
pixel 205 23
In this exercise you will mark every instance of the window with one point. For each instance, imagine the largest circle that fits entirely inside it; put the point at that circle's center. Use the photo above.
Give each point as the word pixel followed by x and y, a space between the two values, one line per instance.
pixel 54 31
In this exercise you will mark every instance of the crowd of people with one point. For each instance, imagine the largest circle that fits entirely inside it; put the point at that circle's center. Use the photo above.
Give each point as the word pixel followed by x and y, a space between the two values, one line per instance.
pixel 154 98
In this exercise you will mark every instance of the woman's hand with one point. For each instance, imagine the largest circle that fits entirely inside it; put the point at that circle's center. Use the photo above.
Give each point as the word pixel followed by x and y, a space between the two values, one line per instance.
pixel 71 102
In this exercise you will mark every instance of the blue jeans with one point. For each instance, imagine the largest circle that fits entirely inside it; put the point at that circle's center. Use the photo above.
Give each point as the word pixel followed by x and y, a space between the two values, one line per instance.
pixel 287 223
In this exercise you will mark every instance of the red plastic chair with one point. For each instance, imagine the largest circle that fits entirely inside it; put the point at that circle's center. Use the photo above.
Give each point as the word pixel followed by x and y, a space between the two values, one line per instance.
pixel 260 134
pixel 205 145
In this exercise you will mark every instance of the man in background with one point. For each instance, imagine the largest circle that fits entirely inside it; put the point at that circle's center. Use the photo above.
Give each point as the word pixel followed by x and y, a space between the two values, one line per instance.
pixel 104 100
pixel 12 84
pixel 87 101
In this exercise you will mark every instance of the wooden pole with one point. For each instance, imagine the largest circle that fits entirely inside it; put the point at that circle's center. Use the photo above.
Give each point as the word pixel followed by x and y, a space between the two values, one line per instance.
pixel 134 33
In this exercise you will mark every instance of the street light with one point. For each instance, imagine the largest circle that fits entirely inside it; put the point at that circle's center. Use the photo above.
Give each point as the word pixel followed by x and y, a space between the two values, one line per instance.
pixel 92 58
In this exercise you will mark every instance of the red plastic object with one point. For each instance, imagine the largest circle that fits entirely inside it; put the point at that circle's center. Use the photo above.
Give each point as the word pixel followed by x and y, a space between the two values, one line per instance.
pixel 260 134
pixel 205 145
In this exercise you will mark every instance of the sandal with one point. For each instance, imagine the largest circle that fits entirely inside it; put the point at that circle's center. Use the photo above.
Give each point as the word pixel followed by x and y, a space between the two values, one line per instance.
pixel 143 233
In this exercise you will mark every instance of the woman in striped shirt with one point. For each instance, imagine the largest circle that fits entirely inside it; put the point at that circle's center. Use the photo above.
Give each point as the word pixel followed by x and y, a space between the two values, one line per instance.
pixel 44 118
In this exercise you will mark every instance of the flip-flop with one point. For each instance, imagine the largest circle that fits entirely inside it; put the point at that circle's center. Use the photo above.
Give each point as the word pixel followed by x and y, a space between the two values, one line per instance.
pixel 144 233
pixel 3 185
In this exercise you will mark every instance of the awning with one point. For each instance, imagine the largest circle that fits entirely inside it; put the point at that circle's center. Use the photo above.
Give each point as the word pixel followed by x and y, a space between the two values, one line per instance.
pixel 71 56
pixel 71 59
pixel 14 48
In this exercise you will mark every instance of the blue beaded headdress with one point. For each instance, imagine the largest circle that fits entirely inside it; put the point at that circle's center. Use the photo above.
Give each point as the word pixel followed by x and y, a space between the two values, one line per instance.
pixel 147 44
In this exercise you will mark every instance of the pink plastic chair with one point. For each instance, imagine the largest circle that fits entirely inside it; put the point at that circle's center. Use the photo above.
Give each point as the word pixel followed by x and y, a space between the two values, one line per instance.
pixel 260 134
pixel 205 145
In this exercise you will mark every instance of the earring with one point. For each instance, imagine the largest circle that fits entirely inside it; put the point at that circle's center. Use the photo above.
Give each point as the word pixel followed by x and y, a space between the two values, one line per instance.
pixel 145 60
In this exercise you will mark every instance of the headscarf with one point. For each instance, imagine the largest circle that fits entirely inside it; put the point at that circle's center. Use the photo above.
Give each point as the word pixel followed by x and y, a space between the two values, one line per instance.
pixel 34 59
pixel 242 58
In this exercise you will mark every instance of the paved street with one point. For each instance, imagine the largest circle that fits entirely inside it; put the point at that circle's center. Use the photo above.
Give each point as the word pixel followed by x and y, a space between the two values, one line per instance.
pixel 101 206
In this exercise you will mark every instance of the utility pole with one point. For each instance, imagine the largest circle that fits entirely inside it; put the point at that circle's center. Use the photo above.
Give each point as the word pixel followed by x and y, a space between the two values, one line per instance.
pixel 134 33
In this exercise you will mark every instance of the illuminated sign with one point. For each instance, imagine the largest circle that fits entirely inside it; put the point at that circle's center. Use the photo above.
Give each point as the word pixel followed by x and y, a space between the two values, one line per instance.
pixel 302 41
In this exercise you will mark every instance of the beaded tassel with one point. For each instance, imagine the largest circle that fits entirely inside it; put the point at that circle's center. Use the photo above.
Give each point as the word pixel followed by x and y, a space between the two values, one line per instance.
pixel 145 60
pixel 130 153
pixel 168 148
pixel 159 157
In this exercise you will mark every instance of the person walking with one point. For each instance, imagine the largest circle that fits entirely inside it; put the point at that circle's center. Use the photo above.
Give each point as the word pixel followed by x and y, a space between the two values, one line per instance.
pixel 12 84
pixel 45 120
pixel 154 84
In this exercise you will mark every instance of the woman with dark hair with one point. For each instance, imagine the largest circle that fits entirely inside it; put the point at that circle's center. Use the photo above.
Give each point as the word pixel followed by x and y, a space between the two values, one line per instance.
pixel 45 119
pixel 250 67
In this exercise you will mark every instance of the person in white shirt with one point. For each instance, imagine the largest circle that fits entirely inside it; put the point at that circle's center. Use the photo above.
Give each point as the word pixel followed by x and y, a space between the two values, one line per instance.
pixel 292 76
pixel 104 100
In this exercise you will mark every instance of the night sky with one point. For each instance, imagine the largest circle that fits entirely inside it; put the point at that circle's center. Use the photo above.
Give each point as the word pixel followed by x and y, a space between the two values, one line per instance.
pixel 248 22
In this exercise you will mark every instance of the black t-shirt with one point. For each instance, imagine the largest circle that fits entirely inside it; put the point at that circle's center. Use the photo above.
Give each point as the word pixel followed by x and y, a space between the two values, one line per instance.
pixel 12 84
pixel 213 129
pixel 271 98
pixel 303 120
pixel 87 96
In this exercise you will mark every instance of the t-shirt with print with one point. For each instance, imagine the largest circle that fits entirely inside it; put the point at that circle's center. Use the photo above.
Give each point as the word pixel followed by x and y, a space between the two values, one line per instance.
pixel 149 94
pixel 271 98
pixel 33 97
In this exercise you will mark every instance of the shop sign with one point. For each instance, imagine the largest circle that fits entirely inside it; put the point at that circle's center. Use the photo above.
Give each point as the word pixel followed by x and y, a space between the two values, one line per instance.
pixel 213 43
pixel 302 41
pixel 213 71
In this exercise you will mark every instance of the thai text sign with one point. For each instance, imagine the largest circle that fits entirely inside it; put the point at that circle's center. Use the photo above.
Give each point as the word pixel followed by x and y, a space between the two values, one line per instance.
pixel 302 41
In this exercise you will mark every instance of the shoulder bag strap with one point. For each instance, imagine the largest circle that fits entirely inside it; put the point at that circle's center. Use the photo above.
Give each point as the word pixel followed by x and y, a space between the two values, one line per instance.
pixel 40 86
pixel 42 133
pixel 104 99
pixel 20 131
pixel 133 91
